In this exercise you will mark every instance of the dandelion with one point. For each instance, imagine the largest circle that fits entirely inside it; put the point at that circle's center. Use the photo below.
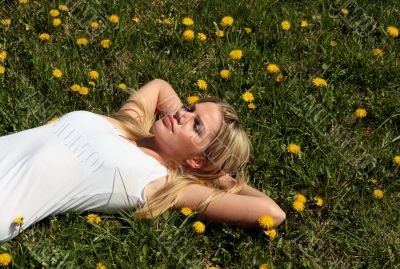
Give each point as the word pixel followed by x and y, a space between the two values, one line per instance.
pixel 75 87
pixel 93 74
pixel 392 31
pixel 298 206
pixel 201 37
pixel 63 7
pixel 52 120
pixel 3 55
pixel 219 33
pixel 100 266
pixel 186 211
pixel 226 21
pixel 6 22
pixel 44 36
pixel 344 11
pixel 57 73
pixel 247 96
pixel 23 2
pixel 83 90
pixel 2 69
pixel 122 86
pixel 94 24
pixel 212 267
pixel 113 18
pixel 93 218
pixel 5 259
pixel 192 99
pixel 304 24
pixel 266 221
pixel 251 106
pixel 201 181
pixel 202 84
pixel 378 193
pixel 105 43
pixel 54 13
pixel 293 148
pixel 377 52
pixel 285 25
pixel 167 21
pixel 300 197
pixel 19 220
pixel 199 227
pixel 360 113
pixel 263 266
pixel 319 201
pixel 236 54
pixel 271 233
pixel 225 73
pixel 56 22
pixel 82 41
pixel 279 78
pixel 27 27
pixel 272 68
pixel 248 30
pixel 188 35
pixel 373 180
pixel 92 83
pixel 320 82
pixel 333 43
pixel 136 19
pixel 9 99
pixel 396 160
pixel 187 21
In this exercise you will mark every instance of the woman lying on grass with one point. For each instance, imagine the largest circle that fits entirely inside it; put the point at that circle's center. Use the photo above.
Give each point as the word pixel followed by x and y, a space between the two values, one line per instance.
pixel 128 160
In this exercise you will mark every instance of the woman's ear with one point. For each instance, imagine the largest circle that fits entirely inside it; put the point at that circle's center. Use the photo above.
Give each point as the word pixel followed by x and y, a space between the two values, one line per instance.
pixel 196 162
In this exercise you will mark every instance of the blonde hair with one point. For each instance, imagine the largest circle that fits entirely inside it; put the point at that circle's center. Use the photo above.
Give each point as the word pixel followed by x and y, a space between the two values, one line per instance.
pixel 228 152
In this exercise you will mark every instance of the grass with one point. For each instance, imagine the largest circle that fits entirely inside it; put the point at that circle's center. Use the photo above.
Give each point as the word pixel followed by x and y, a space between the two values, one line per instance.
pixel 340 153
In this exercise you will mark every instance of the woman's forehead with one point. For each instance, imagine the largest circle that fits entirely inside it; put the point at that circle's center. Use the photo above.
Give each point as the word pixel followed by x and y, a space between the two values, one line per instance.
pixel 211 115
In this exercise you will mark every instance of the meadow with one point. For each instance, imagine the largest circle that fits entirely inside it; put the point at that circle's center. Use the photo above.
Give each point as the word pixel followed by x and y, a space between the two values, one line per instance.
pixel 316 85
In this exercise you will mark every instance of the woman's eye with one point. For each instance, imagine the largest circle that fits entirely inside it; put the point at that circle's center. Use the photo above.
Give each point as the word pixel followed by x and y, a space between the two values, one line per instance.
pixel 188 108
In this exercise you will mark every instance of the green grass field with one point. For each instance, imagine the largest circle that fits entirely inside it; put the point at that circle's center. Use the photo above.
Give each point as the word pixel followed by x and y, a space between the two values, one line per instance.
pixel 340 152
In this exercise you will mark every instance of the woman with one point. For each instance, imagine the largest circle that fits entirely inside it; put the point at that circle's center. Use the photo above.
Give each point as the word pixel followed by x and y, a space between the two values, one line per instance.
pixel 85 161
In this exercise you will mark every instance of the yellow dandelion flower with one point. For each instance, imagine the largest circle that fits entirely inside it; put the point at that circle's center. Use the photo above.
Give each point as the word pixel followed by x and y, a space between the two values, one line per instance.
pixel 188 35
pixel 344 11
pixel 19 220
pixel 263 266
pixel 298 206
pixel 113 18
pixel 225 73
pixel 219 33
pixel 57 73
pixel 186 211
pixel 373 180
pixel 201 37
pixel 82 41
pixel 122 86
pixel 6 22
pixel 285 25
pixel 202 84
pixel 92 83
pixel 251 106
pixel 272 68
pixel 377 52
pixel 100 266
pixel 93 74
pixel 187 21
pixel 83 90
pixel 52 120
pixel 27 27
pixel 392 31
pixel 320 82
pixel 199 227
pixel 304 24
pixel 333 43
pixel 93 218
pixel 279 78
pixel 248 30
pixel 136 19
pixel 360 112
pixel 247 96
pixel 167 21
pixel 3 55
pixel 212 267
pixel 75 87
pixel 271 233
pixel 44 36
pixel 105 43
pixel 192 99
pixel 5 259
pixel 2 69
pixel 396 160
pixel 201 182
pixel 56 22
pixel 236 54
pixel 266 221
pixel 378 193
pixel 63 7
pixel 23 1
pixel 319 201
pixel 300 197
pixel 293 148
pixel 94 24
pixel 54 13
pixel 226 21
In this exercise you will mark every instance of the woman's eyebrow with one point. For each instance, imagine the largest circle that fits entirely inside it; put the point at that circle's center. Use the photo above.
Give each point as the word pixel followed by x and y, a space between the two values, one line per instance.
pixel 201 123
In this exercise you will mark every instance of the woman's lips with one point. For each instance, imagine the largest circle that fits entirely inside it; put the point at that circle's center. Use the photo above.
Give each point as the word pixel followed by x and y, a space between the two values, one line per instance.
pixel 169 122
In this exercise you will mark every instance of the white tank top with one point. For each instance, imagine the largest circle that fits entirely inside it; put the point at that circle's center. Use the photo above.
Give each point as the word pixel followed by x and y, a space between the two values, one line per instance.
pixel 76 163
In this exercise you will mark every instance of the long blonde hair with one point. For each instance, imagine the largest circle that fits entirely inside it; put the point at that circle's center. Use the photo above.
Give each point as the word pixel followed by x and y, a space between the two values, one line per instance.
pixel 228 152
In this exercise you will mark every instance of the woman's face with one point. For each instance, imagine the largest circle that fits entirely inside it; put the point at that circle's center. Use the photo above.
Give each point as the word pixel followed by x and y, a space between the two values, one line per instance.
pixel 188 132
